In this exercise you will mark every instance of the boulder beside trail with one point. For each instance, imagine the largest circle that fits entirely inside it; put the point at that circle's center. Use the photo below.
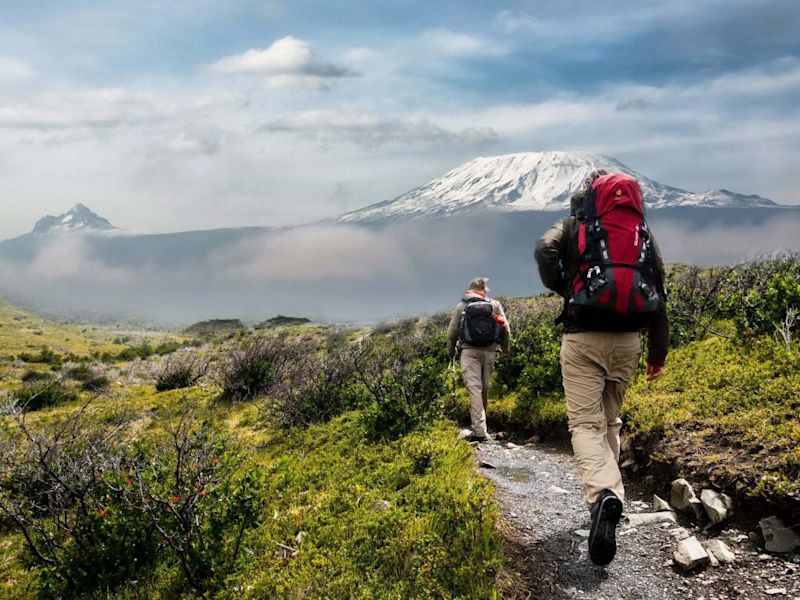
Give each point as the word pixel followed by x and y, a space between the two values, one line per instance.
pixel 664 516
pixel 720 551
pixel 659 504
pixel 777 536
pixel 718 506
pixel 690 554
pixel 683 498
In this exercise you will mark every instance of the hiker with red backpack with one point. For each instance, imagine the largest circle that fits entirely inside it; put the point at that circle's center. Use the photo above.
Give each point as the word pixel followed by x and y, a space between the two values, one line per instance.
pixel 604 261
pixel 478 329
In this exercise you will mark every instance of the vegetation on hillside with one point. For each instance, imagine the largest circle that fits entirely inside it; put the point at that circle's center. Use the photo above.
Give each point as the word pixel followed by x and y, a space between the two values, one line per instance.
pixel 295 463
pixel 306 461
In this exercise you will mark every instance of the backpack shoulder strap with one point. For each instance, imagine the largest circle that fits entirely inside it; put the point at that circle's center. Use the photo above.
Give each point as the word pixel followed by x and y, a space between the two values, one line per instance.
pixel 589 209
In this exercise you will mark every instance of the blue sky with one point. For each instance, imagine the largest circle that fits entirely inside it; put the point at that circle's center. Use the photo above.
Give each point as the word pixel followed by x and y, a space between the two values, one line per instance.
pixel 196 114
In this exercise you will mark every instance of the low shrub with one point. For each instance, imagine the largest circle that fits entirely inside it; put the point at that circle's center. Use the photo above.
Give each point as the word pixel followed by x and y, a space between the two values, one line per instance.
pixel 249 369
pixel 38 394
pixel 33 375
pixel 98 508
pixel 315 388
pixel 45 356
pixel 404 391
pixel 181 370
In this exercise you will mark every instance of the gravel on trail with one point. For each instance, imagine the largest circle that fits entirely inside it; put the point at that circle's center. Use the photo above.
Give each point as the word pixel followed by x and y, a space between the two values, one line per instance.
pixel 546 525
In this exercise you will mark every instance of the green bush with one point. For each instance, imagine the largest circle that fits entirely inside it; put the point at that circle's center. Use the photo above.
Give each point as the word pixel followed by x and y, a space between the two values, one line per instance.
pixel 45 356
pixel 181 370
pixel 32 375
pixel 405 393
pixel 35 395
pixel 249 369
pixel 98 509
pixel 315 388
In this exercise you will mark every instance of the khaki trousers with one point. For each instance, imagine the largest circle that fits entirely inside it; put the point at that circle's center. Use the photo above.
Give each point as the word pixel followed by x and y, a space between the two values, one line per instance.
pixel 596 368
pixel 476 367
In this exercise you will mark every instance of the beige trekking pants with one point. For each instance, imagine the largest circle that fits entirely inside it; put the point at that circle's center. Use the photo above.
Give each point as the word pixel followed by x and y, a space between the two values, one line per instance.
pixel 596 368
pixel 476 367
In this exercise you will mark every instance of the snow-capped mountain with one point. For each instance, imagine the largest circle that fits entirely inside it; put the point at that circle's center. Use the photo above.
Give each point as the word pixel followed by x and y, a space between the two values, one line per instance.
pixel 78 218
pixel 532 181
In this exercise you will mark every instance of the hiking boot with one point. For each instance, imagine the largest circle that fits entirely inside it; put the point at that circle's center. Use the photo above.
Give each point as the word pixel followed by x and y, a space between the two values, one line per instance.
pixel 606 512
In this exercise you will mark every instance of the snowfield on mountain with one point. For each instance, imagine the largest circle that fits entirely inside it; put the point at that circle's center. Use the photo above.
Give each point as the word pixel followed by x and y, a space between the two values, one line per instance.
pixel 530 181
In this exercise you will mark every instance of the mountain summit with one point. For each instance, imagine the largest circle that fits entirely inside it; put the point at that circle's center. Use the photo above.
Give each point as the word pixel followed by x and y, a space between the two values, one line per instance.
pixel 532 181
pixel 78 218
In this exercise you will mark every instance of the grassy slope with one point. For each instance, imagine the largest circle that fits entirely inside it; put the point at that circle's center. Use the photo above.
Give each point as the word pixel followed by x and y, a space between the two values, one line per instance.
pixel 435 538
pixel 727 413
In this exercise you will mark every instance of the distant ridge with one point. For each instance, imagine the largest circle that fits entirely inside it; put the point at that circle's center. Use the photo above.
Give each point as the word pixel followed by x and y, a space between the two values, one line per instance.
pixel 79 218
pixel 532 181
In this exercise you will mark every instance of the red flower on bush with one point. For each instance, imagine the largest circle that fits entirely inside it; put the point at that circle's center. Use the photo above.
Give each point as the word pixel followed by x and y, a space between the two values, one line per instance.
pixel 175 499
pixel 103 512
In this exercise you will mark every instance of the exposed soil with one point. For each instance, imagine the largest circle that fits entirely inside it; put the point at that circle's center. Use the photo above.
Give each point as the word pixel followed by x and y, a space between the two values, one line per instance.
pixel 545 522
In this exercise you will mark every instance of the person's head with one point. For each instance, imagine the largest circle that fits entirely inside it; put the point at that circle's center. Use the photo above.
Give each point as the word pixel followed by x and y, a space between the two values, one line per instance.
pixel 587 183
pixel 479 283
pixel 576 203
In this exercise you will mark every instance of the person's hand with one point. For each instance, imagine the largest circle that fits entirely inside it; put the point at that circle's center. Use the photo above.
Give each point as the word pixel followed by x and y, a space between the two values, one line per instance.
pixel 654 371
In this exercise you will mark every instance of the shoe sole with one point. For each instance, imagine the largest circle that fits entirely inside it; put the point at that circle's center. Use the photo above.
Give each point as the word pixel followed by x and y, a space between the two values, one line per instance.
pixel 602 538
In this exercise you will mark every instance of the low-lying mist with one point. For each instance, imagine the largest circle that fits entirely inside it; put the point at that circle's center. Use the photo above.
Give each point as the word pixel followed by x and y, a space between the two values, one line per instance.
pixel 334 272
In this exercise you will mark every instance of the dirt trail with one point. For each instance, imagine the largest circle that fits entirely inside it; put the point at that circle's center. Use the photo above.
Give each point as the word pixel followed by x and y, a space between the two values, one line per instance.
pixel 546 525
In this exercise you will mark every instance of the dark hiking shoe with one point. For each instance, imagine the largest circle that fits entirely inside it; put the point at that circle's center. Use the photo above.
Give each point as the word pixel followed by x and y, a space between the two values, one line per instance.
pixel 606 512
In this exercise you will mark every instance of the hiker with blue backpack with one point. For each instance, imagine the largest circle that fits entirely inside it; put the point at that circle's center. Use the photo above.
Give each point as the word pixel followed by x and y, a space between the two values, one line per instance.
pixel 604 261
pixel 478 330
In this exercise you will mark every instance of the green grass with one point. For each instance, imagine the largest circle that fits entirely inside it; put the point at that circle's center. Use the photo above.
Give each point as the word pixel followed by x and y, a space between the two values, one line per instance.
pixel 408 518
pixel 403 519
pixel 726 411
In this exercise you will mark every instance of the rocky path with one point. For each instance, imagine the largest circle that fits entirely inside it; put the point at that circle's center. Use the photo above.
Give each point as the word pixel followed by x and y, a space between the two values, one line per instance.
pixel 546 526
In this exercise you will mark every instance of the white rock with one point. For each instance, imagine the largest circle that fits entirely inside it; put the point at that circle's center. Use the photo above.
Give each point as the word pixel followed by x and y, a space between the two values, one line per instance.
pixel 659 504
pixel 381 505
pixel 584 533
pixel 778 537
pixel 679 533
pixel 775 592
pixel 636 519
pixel 683 498
pixel 712 560
pixel 720 551
pixel 690 554
pixel 554 489
pixel 718 506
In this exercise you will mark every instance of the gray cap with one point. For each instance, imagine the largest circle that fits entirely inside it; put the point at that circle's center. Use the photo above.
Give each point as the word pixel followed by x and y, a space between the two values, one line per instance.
pixel 479 283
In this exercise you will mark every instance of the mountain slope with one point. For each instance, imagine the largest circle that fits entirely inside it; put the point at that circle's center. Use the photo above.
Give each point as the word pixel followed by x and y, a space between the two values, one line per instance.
pixel 78 218
pixel 533 181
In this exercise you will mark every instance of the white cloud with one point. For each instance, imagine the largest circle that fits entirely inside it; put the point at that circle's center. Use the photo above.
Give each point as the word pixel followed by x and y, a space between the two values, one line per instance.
pixel 13 69
pixel 370 130
pixel 85 107
pixel 288 62
pixel 451 43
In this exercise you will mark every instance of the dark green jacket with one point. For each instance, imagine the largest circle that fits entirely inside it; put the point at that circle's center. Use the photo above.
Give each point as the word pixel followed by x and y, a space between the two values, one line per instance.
pixel 558 261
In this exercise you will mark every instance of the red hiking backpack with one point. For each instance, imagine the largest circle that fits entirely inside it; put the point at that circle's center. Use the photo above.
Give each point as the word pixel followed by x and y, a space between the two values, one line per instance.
pixel 616 264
